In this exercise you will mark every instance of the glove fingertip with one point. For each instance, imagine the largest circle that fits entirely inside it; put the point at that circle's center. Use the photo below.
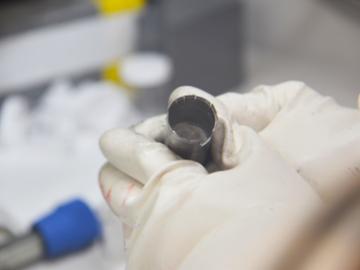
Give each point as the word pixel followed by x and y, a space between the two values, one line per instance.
pixel 105 141
pixel 153 128
pixel 112 139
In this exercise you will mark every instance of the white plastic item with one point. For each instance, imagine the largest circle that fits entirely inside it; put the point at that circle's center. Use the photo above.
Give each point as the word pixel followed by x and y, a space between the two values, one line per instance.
pixel 148 74
pixel 145 69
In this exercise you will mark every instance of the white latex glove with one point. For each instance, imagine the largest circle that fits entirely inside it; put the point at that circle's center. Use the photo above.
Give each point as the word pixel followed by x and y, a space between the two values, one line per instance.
pixel 179 216
pixel 317 136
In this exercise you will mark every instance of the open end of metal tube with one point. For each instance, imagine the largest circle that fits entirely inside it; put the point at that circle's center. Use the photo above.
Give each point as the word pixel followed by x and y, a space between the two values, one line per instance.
pixel 191 121
pixel 192 118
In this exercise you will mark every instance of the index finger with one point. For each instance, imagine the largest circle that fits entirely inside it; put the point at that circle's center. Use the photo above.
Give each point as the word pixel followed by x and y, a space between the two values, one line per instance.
pixel 136 155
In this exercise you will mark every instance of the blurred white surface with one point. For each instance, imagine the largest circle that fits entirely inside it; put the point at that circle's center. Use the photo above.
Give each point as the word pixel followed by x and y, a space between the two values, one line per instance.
pixel 50 154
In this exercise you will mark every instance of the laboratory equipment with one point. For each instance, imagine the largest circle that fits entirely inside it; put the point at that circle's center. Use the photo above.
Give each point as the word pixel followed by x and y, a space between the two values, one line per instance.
pixel 148 75
pixel 53 12
pixel 191 121
pixel 203 38
pixel 71 227
pixel 81 28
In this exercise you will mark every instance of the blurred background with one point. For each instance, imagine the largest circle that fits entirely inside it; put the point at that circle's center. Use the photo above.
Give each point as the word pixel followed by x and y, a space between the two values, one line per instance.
pixel 71 69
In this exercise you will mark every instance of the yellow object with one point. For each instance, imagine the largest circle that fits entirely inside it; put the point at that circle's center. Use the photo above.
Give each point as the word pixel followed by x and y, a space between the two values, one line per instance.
pixel 111 73
pixel 109 7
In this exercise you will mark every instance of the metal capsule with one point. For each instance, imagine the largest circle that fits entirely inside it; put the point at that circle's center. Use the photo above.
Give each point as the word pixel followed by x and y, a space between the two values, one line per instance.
pixel 191 122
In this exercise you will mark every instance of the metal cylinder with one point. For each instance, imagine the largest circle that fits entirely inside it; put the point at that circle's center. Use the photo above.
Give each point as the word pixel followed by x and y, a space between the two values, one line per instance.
pixel 21 252
pixel 191 122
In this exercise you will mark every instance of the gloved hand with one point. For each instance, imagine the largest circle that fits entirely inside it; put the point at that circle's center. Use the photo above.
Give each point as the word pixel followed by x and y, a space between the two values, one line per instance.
pixel 179 216
pixel 317 136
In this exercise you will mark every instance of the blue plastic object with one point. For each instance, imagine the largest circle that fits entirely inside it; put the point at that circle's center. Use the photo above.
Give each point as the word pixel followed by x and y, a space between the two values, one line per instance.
pixel 71 227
